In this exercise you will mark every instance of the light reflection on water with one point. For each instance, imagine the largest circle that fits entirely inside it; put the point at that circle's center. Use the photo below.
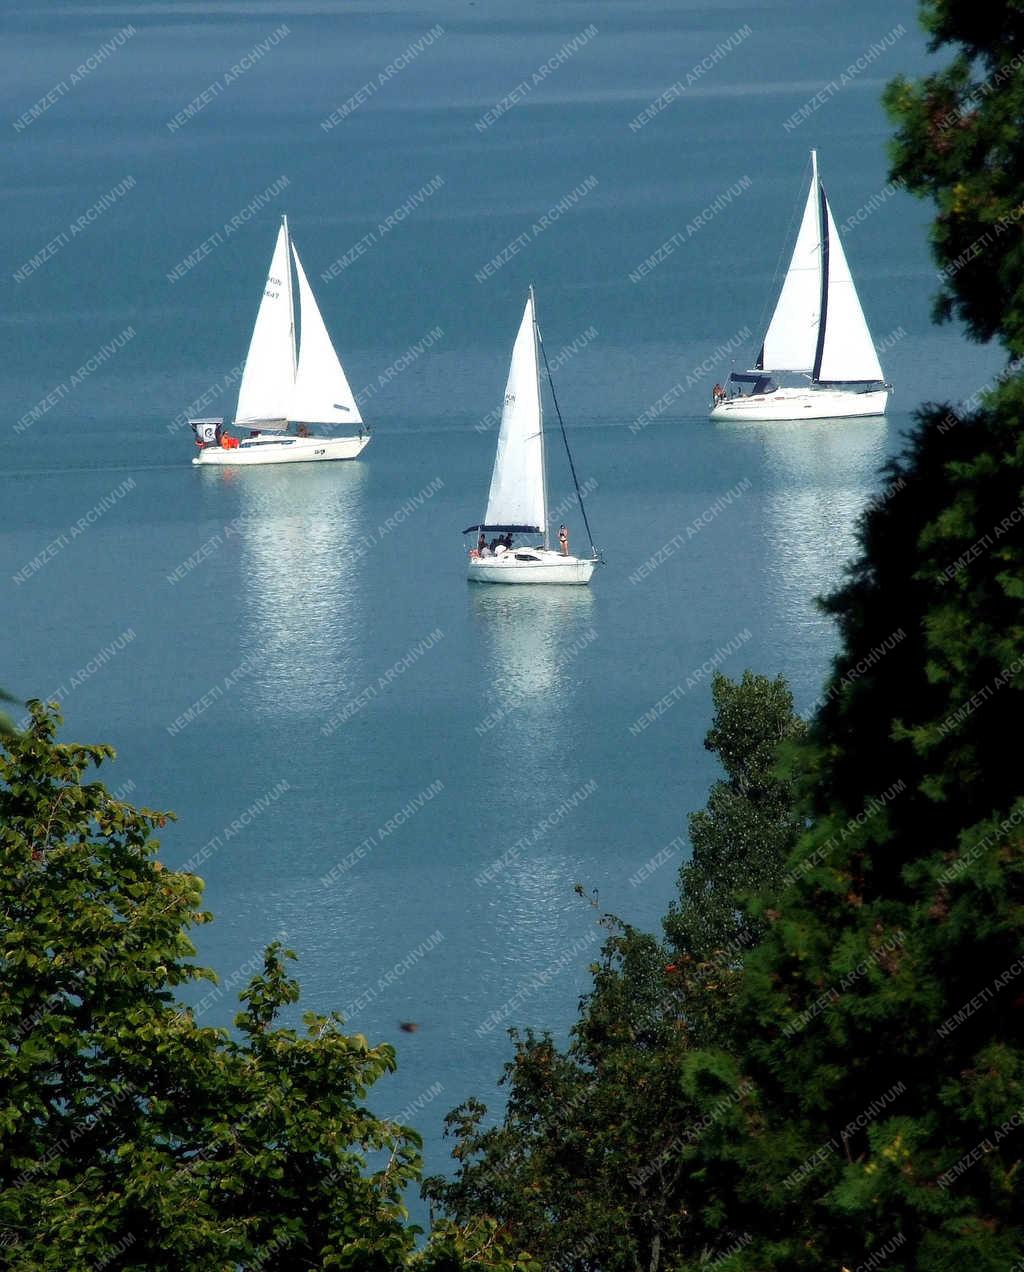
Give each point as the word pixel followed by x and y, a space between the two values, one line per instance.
pixel 300 563
pixel 533 643
pixel 528 636
pixel 817 472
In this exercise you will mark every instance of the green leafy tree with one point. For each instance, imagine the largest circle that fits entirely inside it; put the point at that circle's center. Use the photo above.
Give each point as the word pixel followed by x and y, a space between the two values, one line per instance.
pixel 741 839
pixel 130 1135
pixel 959 144
pixel 592 1165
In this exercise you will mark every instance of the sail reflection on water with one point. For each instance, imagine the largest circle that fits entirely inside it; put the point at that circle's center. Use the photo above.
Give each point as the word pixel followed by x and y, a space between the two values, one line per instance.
pixel 821 474
pixel 533 646
pixel 533 642
pixel 300 559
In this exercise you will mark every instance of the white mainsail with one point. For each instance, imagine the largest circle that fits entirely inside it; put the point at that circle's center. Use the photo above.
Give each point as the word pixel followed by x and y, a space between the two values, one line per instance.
pixel 321 394
pixel 265 394
pixel 818 326
pixel 516 496
pixel 848 352
pixel 792 336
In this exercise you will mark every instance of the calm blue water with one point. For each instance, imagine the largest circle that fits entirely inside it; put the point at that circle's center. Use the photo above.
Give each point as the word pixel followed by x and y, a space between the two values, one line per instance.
pixel 305 594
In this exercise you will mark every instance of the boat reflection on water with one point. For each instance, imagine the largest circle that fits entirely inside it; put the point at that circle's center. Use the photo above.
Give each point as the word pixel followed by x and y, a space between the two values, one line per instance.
pixel 820 475
pixel 532 644
pixel 299 556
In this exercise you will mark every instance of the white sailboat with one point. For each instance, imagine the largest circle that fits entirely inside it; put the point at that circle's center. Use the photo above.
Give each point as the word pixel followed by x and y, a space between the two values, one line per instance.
pixel 517 502
pixel 818 330
pixel 286 387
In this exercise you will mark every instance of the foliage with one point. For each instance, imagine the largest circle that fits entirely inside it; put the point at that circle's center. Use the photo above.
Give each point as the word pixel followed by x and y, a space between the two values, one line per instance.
pixel 740 840
pixel 893 956
pixel 959 143
pixel 130 1135
pixel 592 1166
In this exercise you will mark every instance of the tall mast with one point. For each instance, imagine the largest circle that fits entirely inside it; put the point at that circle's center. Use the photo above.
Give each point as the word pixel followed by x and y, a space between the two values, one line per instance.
pixel 540 412
pixel 822 208
pixel 291 296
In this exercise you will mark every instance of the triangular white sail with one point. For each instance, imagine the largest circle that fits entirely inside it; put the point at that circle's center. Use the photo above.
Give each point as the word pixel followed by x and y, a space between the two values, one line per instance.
pixel 792 336
pixel 848 352
pixel 517 484
pixel 265 394
pixel 818 292
pixel 322 394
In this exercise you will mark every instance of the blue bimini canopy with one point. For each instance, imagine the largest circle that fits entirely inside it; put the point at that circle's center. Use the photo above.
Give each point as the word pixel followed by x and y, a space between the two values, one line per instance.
pixel 505 529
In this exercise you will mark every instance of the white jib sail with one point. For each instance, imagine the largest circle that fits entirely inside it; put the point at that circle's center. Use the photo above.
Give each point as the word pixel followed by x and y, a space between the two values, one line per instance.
pixel 265 394
pixel 517 484
pixel 322 394
pixel 792 336
pixel 848 352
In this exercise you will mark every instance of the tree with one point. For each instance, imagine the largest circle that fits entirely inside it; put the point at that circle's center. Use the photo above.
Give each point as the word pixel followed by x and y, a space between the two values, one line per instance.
pixel 592 1165
pixel 959 144
pixel 133 1137
pixel 740 841
pixel 881 1019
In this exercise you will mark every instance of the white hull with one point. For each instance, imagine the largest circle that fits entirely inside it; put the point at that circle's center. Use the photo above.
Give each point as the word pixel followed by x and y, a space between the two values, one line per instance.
pixel 285 450
pixel 531 565
pixel 803 404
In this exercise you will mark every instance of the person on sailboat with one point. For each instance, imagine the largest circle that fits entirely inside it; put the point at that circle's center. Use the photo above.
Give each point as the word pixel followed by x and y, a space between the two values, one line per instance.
pixel 481 543
pixel 563 540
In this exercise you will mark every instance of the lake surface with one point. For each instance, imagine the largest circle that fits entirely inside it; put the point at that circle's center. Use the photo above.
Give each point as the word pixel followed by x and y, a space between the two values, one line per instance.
pixel 404 774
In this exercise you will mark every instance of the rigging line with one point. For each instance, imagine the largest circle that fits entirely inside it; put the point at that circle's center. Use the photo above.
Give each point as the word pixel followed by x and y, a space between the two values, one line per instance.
pixel 565 439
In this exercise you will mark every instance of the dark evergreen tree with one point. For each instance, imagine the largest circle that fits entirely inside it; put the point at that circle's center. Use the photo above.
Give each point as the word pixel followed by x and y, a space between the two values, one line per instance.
pixel 884 1011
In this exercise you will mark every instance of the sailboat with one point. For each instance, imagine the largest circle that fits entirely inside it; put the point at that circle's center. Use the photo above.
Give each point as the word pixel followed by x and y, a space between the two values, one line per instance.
pixel 517 502
pixel 286 386
pixel 818 330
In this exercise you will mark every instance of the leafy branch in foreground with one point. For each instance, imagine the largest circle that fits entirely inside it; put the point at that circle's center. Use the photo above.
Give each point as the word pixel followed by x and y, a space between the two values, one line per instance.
pixel 130 1135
